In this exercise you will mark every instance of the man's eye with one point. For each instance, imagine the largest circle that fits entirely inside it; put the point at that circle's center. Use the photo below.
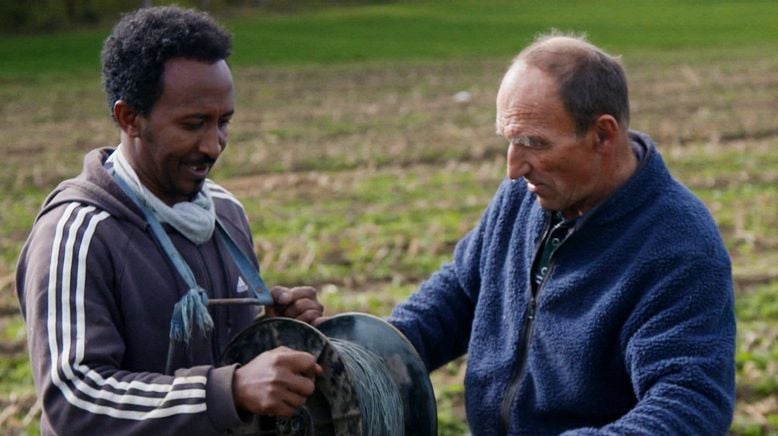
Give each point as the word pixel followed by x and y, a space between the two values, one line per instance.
pixel 527 142
pixel 224 123
pixel 536 144
pixel 192 125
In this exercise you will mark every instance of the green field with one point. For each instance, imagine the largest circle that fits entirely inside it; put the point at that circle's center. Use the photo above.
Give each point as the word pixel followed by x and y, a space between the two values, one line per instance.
pixel 360 172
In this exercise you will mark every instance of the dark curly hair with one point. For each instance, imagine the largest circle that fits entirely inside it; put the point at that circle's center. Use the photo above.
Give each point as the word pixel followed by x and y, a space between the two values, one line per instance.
pixel 134 55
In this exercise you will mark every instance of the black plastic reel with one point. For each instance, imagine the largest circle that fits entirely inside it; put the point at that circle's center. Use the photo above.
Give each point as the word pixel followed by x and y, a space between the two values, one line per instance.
pixel 334 407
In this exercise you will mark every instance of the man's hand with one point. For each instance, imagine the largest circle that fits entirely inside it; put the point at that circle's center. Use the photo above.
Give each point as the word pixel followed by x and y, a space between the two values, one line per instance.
pixel 299 303
pixel 275 383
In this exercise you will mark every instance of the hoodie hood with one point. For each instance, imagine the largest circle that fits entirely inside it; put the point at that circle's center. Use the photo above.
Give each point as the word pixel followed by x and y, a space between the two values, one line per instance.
pixel 96 187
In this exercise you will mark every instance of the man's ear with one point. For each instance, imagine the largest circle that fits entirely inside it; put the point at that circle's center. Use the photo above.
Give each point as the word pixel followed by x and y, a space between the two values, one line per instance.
pixel 606 127
pixel 127 117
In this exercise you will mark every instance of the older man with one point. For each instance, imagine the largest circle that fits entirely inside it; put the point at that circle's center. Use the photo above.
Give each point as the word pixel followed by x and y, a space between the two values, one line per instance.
pixel 595 295
pixel 128 253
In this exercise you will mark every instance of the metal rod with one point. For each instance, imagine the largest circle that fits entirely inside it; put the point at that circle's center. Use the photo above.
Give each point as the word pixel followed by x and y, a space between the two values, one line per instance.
pixel 224 301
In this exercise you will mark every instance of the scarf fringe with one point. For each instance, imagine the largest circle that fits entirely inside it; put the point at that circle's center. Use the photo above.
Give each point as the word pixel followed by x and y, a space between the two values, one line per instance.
pixel 191 312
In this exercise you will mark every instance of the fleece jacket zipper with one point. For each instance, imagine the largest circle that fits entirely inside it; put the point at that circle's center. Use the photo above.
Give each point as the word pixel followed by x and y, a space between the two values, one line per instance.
pixel 518 370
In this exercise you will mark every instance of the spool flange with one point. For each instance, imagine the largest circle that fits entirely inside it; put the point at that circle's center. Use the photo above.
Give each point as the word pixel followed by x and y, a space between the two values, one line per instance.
pixel 334 407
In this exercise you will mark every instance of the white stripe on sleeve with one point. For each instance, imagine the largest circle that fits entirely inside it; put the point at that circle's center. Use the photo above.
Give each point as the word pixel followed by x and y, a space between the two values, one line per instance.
pixel 74 249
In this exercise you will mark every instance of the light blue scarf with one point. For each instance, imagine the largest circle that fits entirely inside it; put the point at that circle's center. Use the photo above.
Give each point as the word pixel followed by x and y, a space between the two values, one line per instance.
pixel 195 219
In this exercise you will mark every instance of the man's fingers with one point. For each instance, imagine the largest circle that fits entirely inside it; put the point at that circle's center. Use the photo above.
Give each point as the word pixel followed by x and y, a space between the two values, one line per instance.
pixel 303 292
pixel 276 382
pixel 281 295
pixel 298 302
pixel 299 362
pixel 319 320
pixel 300 307
pixel 293 399
pixel 298 294
pixel 310 316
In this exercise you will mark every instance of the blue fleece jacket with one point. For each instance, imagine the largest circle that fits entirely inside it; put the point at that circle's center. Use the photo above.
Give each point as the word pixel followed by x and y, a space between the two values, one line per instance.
pixel 632 332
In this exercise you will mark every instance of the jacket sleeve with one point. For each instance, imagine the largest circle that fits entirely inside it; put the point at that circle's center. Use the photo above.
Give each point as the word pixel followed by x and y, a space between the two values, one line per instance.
pixel 64 281
pixel 438 317
pixel 679 351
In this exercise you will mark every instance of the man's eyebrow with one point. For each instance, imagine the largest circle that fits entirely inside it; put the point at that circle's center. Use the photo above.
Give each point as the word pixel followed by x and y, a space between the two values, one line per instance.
pixel 527 141
pixel 522 140
pixel 206 115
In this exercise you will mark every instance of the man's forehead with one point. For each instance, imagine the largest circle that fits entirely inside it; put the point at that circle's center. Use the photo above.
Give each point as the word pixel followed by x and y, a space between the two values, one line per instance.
pixel 518 117
pixel 178 69
pixel 187 82
pixel 527 97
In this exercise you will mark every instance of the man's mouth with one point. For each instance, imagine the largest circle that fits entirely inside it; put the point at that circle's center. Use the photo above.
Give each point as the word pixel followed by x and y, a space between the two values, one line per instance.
pixel 199 170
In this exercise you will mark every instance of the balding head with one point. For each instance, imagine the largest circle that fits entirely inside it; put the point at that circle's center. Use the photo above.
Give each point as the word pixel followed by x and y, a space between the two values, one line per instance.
pixel 590 81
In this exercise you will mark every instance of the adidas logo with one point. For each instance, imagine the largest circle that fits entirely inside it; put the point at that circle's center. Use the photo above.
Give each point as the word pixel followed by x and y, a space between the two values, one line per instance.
pixel 241 287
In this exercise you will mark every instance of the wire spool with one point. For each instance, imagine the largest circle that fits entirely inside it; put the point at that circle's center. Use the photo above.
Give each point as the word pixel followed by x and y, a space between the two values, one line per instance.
pixel 379 398
pixel 373 381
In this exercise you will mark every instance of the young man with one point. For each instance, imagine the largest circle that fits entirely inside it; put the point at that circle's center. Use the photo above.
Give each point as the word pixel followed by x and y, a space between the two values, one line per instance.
pixel 595 295
pixel 99 293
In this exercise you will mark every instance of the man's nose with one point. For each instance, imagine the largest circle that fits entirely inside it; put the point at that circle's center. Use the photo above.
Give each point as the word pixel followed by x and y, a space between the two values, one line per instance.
pixel 214 142
pixel 517 165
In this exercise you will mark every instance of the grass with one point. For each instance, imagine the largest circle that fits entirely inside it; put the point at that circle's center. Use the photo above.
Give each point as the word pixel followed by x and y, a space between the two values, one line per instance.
pixel 425 30
pixel 360 172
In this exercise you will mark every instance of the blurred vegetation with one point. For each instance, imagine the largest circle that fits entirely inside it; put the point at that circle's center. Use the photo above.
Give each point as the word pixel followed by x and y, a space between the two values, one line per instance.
pixel 36 16
pixel 381 31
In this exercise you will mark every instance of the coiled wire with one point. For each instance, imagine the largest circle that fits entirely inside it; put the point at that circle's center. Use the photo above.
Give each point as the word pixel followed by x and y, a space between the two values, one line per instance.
pixel 380 400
